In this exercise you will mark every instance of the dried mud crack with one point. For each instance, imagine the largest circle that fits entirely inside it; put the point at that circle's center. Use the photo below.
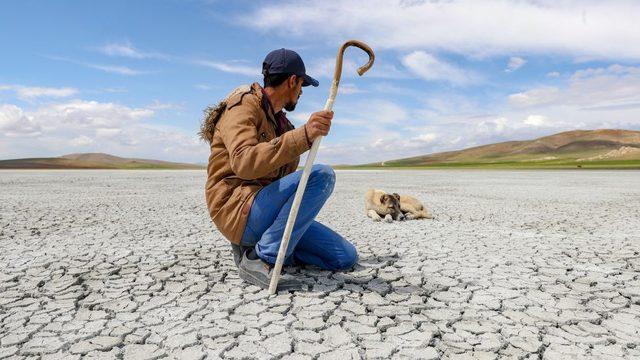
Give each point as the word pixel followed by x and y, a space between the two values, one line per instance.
pixel 516 264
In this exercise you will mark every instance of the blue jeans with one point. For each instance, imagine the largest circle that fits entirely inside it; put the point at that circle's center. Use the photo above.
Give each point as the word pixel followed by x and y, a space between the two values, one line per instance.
pixel 310 242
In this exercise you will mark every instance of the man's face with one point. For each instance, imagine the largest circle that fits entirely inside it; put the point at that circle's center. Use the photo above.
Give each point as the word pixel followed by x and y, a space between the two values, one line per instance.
pixel 295 85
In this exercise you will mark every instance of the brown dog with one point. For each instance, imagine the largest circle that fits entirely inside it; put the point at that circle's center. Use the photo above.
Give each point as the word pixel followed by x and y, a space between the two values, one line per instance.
pixel 379 205
pixel 413 209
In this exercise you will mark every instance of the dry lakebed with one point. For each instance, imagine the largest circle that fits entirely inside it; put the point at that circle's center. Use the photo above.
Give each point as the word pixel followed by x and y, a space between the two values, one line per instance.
pixel 516 264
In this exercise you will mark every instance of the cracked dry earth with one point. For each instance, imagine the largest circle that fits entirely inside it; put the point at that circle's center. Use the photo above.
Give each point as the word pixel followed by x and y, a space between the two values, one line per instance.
pixel 127 265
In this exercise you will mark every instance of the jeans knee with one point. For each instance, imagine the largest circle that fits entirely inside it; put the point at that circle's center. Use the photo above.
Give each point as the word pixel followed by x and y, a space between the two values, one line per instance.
pixel 325 175
pixel 348 259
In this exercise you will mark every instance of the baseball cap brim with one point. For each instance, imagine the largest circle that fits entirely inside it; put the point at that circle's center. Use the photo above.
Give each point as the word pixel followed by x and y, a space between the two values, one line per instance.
pixel 308 80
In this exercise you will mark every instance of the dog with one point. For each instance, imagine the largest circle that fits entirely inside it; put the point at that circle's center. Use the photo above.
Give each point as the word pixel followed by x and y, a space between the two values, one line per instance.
pixel 413 209
pixel 379 205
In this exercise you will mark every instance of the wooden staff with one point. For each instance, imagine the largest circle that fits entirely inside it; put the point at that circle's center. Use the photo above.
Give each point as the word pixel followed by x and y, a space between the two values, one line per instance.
pixel 312 155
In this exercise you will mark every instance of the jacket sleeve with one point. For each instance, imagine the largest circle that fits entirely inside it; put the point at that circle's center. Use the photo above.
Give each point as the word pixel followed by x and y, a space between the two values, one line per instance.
pixel 250 159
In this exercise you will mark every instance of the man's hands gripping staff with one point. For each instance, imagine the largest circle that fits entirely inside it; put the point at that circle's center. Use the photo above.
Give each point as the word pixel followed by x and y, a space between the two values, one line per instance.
pixel 319 124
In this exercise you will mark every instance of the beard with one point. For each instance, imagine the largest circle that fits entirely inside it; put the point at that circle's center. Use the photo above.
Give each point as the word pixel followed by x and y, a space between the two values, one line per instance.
pixel 290 106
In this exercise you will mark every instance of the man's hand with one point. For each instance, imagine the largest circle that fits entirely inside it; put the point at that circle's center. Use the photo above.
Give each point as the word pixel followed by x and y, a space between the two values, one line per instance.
pixel 318 124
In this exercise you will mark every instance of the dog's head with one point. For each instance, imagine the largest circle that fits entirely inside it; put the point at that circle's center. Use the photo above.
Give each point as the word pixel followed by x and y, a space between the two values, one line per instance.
pixel 391 205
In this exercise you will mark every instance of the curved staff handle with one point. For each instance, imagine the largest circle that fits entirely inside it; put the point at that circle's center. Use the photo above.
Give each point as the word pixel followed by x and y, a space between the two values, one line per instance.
pixel 275 277
pixel 337 73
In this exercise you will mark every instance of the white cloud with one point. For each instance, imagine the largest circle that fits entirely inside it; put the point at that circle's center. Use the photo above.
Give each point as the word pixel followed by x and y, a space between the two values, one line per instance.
pixel 88 114
pixel 368 117
pixel 121 49
pixel 537 121
pixel 114 69
pixel 126 49
pixel 230 67
pixel 493 126
pixel 121 70
pixel 108 133
pixel 515 63
pixel 115 90
pixel 349 88
pixel 592 98
pixel 488 28
pixel 534 97
pixel 426 138
pixel 158 105
pixel 81 140
pixel 30 92
pixel 590 88
pixel 15 123
pixel 325 68
pixel 431 68
pixel 377 147
pixel 553 74
pixel 94 126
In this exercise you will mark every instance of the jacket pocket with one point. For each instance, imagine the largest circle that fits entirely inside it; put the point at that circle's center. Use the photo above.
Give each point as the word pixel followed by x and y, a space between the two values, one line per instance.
pixel 245 193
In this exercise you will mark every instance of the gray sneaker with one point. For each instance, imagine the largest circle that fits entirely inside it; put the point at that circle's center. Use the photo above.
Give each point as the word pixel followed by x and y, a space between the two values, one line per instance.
pixel 237 251
pixel 258 273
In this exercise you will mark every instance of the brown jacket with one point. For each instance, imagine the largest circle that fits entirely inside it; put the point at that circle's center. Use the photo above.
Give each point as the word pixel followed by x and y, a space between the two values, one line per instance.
pixel 245 156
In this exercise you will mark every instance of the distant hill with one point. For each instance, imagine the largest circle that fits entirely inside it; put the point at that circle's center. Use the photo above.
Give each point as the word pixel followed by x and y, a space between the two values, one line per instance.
pixel 92 161
pixel 579 148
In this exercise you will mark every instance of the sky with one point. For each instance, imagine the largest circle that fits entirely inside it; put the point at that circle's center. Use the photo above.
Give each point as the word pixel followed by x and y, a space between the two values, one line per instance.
pixel 131 78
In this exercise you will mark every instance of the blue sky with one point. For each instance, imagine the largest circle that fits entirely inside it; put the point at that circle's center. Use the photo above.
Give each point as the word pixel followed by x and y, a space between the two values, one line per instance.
pixel 131 78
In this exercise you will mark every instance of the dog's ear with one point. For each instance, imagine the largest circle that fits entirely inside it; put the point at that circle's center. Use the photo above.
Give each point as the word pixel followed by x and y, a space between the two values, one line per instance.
pixel 397 196
pixel 383 198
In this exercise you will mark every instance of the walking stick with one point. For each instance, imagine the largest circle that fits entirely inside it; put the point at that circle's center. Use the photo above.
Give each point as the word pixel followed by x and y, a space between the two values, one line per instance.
pixel 275 277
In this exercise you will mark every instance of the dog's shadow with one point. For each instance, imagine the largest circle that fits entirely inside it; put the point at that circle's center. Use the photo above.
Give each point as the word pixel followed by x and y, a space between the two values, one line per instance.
pixel 369 274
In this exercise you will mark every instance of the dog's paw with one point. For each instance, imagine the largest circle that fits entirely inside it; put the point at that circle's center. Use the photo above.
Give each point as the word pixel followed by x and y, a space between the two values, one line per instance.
pixel 376 219
pixel 388 218
pixel 410 216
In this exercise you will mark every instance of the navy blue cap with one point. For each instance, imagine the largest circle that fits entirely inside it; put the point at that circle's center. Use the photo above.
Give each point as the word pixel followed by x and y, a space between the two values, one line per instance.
pixel 285 61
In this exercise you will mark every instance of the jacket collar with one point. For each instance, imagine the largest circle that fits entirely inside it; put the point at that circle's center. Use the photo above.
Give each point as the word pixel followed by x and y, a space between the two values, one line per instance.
pixel 264 102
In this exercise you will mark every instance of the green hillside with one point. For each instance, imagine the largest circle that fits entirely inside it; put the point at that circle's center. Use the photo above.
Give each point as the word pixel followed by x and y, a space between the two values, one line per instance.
pixel 591 149
pixel 92 161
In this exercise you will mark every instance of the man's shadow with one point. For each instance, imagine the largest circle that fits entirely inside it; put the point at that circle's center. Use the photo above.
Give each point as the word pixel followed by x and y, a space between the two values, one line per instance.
pixel 368 274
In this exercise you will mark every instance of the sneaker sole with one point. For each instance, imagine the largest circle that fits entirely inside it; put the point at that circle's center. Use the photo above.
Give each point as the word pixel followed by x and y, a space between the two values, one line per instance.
pixel 253 280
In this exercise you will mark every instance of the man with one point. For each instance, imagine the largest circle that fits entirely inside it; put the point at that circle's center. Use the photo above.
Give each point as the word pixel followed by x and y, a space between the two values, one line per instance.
pixel 252 177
